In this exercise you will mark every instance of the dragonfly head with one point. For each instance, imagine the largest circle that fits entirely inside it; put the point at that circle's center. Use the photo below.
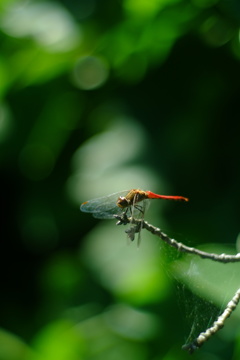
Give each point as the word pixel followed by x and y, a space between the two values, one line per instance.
pixel 122 202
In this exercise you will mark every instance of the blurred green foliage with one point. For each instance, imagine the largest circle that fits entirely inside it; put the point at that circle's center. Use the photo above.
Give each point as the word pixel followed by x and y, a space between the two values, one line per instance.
pixel 97 97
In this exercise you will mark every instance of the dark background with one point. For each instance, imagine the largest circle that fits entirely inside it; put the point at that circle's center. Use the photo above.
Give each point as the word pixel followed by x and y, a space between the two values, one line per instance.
pixel 172 72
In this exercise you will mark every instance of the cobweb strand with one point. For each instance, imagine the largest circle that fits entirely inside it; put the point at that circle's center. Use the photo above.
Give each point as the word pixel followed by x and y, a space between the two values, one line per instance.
pixel 217 325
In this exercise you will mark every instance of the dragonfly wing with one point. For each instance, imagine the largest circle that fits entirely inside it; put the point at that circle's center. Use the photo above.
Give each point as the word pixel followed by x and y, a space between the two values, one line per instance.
pixel 104 207
pixel 138 212
pixel 108 214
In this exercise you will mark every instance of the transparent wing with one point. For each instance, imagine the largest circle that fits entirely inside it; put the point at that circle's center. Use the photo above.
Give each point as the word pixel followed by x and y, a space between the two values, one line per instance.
pixel 138 211
pixel 104 207
pixel 108 214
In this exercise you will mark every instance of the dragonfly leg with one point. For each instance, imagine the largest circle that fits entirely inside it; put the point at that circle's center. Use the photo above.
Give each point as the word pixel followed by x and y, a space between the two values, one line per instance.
pixel 123 218
pixel 138 207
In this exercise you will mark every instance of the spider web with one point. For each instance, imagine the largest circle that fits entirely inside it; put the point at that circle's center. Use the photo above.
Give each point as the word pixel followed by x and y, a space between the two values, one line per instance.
pixel 205 288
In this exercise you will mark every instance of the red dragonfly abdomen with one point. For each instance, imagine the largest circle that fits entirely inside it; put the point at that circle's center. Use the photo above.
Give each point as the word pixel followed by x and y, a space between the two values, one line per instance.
pixel 152 195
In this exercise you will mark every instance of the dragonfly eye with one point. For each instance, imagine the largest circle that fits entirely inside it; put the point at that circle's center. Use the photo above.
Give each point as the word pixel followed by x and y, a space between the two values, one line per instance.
pixel 122 202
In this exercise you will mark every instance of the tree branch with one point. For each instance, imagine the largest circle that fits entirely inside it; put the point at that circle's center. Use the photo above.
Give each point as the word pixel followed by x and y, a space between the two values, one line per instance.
pixel 141 224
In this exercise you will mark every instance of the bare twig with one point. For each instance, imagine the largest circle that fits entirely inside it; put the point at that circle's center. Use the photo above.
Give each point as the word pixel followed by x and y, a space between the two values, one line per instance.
pixel 217 325
pixel 224 258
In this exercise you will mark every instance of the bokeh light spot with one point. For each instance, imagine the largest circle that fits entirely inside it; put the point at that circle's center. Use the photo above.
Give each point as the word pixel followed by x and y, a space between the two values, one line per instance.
pixel 131 323
pixel 48 23
pixel 90 73
pixel 135 277
pixel 145 7
pixel 141 6
pixel 61 274
pixel 216 31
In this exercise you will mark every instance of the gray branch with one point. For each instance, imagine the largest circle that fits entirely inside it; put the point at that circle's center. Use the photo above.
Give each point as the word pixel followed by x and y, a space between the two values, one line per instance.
pixel 141 224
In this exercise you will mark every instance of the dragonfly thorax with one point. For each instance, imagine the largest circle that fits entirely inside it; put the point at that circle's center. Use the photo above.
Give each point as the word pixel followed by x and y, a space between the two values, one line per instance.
pixel 134 196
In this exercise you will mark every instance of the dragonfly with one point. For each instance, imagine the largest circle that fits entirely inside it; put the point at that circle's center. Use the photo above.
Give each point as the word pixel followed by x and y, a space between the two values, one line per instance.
pixel 122 202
